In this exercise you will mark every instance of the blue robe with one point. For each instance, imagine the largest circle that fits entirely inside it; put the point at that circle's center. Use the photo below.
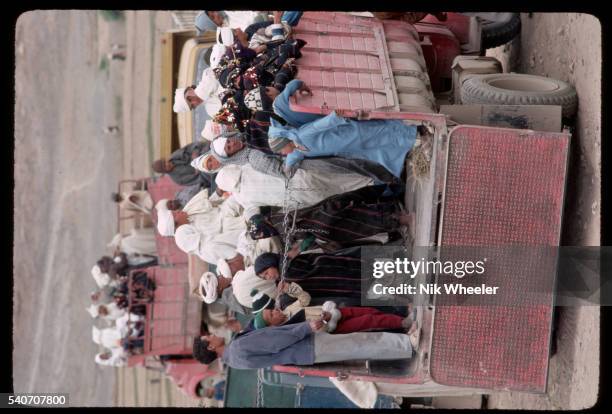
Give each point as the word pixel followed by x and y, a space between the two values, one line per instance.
pixel 282 109
pixel 385 142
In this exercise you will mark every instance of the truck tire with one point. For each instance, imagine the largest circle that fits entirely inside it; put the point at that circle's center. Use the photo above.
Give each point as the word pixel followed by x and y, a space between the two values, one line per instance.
pixel 519 89
pixel 497 33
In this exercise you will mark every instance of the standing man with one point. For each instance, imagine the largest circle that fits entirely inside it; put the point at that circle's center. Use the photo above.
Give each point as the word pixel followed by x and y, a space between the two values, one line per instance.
pixel 179 168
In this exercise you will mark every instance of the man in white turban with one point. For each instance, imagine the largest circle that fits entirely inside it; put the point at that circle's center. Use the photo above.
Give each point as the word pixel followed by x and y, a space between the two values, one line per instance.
pixel 244 281
pixel 165 218
pixel 102 279
pixel 208 91
pixel 109 312
pixel 113 358
pixel 210 249
pixel 206 163
pixel 251 249
pixel 211 286
pixel 214 129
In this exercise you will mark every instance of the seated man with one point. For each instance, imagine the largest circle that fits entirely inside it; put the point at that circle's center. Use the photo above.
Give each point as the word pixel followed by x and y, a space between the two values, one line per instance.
pixel 300 344
pixel 385 142
pixel 113 358
pixel 179 168
pixel 207 92
pixel 137 201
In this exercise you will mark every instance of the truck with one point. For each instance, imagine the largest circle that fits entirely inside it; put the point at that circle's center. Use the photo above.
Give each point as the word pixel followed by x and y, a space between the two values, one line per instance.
pixel 494 174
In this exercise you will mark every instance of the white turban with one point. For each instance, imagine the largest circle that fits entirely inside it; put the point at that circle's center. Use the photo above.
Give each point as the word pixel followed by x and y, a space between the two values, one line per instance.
pixel 227 36
pixel 224 269
pixel 102 279
pixel 208 85
pixel 165 219
pixel 187 238
pixel 200 163
pixel 228 178
pixel 93 310
pixel 218 51
pixel 208 287
pixel 214 129
pixel 180 103
pixel 96 335
pixel 219 146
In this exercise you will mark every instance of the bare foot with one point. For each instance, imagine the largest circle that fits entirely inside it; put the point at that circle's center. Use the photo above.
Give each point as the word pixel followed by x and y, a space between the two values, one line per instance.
pixel 406 219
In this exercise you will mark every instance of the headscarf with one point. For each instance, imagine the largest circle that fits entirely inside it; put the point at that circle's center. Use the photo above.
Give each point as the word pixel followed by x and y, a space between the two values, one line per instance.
pixel 96 335
pixel 200 163
pixel 204 23
pixel 208 85
pixel 253 100
pixel 239 158
pixel 208 287
pixel 214 129
pixel 277 143
pixel 188 238
pixel 93 310
pixel 225 36
pixel 165 219
pixel 228 178
pixel 217 53
pixel 223 268
pixel 102 279
pixel 180 103
pixel 261 301
pixel 219 145
pixel 266 261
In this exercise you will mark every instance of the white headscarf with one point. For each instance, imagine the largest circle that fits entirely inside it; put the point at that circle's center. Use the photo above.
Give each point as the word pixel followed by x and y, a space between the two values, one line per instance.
pixel 214 129
pixel 218 51
pixel 223 268
pixel 226 34
pixel 228 178
pixel 208 287
pixel 93 310
pixel 219 146
pixel 200 163
pixel 208 85
pixel 180 103
pixel 102 279
pixel 188 238
pixel 165 219
pixel 96 335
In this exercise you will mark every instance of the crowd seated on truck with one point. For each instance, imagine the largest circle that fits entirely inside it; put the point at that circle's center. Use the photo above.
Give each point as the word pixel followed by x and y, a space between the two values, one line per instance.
pixel 256 160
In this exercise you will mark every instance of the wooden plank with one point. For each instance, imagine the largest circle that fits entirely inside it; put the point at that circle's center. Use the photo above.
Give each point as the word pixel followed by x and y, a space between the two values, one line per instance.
pixel 545 118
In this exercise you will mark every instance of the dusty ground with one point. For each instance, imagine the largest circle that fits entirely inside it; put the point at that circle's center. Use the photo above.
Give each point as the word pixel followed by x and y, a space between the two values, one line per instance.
pixel 65 163
pixel 568 47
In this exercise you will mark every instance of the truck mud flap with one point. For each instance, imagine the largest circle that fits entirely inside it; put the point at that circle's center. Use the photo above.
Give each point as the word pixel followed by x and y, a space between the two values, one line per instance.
pixel 504 188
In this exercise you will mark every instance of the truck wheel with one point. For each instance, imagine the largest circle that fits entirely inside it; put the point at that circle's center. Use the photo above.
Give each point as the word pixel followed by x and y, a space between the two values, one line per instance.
pixel 519 89
pixel 497 33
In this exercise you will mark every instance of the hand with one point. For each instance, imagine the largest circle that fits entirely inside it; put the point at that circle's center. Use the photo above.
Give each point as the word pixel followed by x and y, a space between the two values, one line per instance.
pixel 305 90
pixel 315 325
pixel 277 15
pixel 283 286
pixel 295 250
pixel 260 49
pixel 325 316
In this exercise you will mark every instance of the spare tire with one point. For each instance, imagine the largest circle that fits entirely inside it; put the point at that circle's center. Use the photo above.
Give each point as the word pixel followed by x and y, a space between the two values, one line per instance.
pixel 500 32
pixel 519 89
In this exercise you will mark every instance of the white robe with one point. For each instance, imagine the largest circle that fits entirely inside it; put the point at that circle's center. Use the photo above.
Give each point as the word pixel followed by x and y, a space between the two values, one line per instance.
pixel 110 338
pixel 143 204
pixel 141 241
pixel 251 249
pixel 124 327
pixel 244 18
pixel 246 280
pixel 306 188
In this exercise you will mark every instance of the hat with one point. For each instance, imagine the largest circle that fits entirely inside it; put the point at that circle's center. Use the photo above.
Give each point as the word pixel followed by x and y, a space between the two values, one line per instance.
pixel 213 129
pixel 265 261
pixel 217 53
pixel 207 287
pixel 277 143
pixel 200 163
pixel 204 23
pixel 165 219
pixel 188 238
pixel 224 269
pixel 259 322
pixel 180 103
pixel 219 146
pixel 228 178
pixel 261 301
pixel 93 310
pixel 225 36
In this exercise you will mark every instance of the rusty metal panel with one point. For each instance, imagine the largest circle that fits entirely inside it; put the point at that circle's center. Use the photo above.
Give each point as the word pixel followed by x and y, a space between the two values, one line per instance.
pixel 504 187
pixel 168 252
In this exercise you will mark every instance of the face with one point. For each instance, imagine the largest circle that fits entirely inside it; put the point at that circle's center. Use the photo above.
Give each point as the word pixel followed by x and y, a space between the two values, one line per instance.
pixel 223 284
pixel 173 204
pixel 270 273
pixel 102 310
pixel 232 146
pixel 214 342
pixel 274 317
pixel 168 166
pixel 287 149
pixel 180 218
pixel 105 355
pixel 236 263
pixel 95 296
pixel 211 163
pixel 241 36
pixel 216 17
pixel 192 99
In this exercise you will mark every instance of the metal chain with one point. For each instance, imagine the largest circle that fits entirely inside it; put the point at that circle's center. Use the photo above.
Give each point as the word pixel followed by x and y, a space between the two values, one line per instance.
pixel 260 395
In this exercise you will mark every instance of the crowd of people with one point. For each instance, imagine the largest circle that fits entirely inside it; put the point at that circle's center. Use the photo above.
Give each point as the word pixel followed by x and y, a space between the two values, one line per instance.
pixel 256 161
pixel 118 304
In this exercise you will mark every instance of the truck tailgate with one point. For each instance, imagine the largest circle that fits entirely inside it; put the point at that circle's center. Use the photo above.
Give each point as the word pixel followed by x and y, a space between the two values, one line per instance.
pixel 504 187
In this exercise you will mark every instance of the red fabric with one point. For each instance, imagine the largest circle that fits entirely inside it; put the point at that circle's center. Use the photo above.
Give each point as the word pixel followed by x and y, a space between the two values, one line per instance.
pixel 358 319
